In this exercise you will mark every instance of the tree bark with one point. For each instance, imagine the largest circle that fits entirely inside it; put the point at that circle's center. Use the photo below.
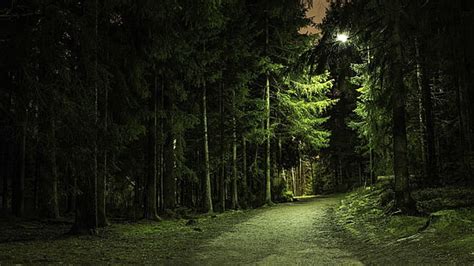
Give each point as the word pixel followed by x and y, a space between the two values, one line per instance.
pixel 86 220
pixel 4 189
pixel 400 150
pixel 137 197
pixel 268 184
pixel 18 191
pixel 300 174
pixel 253 185
pixel 222 178
pixel 235 200
pixel 372 177
pixel 207 204
pixel 151 198
pixel 169 180
pixel 245 189
pixel 293 181
pixel 162 141
pixel 71 189
pixel 37 174
pixel 96 115
pixel 54 172
pixel 102 178
pixel 86 217
pixel 463 90
pixel 48 187
pixel 427 121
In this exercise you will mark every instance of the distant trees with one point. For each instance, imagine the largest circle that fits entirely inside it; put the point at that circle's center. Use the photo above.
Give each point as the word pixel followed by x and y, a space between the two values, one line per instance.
pixel 402 57
pixel 138 108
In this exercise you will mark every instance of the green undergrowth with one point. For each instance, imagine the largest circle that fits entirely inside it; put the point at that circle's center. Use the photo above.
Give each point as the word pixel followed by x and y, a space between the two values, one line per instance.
pixel 364 213
pixel 143 242
pixel 435 199
pixel 446 234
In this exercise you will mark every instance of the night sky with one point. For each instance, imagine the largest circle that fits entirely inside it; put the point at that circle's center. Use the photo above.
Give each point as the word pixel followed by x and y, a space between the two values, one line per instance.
pixel 317 13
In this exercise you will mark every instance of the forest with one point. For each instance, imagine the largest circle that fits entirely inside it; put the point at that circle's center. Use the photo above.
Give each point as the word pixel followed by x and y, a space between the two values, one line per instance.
pixel 224 132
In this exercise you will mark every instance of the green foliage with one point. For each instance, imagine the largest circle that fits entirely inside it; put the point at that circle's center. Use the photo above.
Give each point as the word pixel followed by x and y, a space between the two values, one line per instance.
pixel 372 208
pixel 372 120
pixel 303 103
pixel 430 87
pixel 434 199
pixel 363 215
pixel 122 83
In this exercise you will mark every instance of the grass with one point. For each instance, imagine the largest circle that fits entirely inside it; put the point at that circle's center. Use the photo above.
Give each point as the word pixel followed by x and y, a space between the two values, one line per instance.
pixel 168 241
pixel 443 236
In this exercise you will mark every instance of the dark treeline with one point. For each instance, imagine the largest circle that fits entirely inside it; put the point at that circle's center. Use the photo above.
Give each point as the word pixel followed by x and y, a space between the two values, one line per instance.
pixel 136 109
pixel 141 109
pixel 407 100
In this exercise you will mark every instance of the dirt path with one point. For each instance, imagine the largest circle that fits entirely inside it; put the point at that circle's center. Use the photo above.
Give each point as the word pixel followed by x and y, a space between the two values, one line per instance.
pixel 286 234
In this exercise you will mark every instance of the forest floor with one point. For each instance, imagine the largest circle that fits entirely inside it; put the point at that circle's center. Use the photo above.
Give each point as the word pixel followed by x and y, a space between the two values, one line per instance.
pixel 380 235
pixel 289 233
pixel 305 232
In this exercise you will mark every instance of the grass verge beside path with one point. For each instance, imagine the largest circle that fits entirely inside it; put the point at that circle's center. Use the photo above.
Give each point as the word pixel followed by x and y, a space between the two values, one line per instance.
pixel 144 242
pixel 376 236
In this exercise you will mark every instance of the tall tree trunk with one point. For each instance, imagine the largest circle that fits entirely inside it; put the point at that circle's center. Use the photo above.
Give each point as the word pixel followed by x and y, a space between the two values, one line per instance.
pixel 18 178
pixel 222 178
pixel 466 70
pixel 96 112
pixel 137 197
pixel 6 173
pixel 37 174
pixel 162 141
pixel 54 172
pixel 400 150
pixel 207 204
pixel 4 190
pixel 169 179
pixel 254 184
pixel 235 200
pixel 245 189
pixel 372 177
pixel 293 181
pixel 300 173
pixel 427 121
pixel 313 176
pixel 71 189
pixel 150 208
pixel 86 220
pixel 48 185
pixel 462 73
pixel 461 113
pixel 279 158
pixel 18 191
pixel 268 184
pixel 102 178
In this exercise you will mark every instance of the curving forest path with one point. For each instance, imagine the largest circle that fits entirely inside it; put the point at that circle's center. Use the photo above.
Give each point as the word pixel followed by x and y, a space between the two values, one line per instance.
pixel 286 234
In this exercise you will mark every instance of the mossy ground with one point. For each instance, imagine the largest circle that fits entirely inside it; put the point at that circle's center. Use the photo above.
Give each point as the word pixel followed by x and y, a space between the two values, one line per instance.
pixel 123 243
pixel 380 236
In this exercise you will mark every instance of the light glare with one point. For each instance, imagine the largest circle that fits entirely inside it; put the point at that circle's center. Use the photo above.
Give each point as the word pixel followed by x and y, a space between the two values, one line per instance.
pixel 342 37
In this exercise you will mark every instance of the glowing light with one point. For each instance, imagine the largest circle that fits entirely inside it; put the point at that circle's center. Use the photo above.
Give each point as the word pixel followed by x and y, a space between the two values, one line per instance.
pixel 342 37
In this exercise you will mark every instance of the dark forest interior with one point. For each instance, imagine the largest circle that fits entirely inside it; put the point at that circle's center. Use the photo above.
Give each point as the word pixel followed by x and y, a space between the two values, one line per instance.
pixel 196 132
